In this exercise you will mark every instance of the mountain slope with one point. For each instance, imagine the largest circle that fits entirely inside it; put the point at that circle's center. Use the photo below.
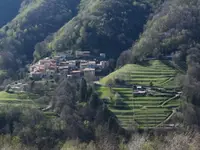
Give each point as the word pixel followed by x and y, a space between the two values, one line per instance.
pixel 108 26
pixel 35 22
pixel 176 23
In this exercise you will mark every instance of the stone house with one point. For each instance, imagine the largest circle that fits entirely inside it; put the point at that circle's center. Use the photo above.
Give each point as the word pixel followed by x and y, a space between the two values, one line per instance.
pixel 76 73
pixel 36 75
pixel 89 64
pixel 63 69
pixel 18 87
pixel 89 73
pixel 82 53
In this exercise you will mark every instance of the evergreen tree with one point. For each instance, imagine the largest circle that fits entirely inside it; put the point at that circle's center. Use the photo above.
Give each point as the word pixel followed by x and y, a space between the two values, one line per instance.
pixel 83 90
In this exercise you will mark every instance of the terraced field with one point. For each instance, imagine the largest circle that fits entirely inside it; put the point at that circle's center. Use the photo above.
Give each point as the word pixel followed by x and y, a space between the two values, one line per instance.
pixel 16 99
pixel 147 111
pixel 155 71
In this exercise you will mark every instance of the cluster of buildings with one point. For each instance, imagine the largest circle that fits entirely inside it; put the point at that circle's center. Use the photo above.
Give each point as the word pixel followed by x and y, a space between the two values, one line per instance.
pixel 17 87
pixel 139 90
pixel 80 66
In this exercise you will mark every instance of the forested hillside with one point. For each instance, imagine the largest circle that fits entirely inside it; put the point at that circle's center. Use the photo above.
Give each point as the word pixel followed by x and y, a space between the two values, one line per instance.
pixel 58 25
pixel 106 26
pixel 36 20
pixel 175 25
pixel 101 26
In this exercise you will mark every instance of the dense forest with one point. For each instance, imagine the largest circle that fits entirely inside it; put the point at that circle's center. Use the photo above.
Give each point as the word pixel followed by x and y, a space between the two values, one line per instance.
pixel 175 25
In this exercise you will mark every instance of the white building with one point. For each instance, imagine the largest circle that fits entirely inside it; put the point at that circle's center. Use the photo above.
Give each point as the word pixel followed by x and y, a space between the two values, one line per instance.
pixel 82 53
pixel 76 73
pixel 18 87
pixel 36 75
pixel 103 64
pixel 72 64
pixel 139 87
pixel 89 64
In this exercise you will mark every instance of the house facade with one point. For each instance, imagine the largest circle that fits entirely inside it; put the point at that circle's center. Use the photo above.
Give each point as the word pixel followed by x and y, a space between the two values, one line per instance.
pixel 60 64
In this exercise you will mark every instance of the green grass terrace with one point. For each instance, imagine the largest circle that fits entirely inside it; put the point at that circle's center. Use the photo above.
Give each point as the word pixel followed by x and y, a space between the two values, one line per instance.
pixel 157 72
pixel 146 111
pixel 18 99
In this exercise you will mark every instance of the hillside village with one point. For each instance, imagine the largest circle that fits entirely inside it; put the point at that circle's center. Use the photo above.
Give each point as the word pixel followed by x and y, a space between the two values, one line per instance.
pixel 82 65
pixel 100 74
pixel 129 91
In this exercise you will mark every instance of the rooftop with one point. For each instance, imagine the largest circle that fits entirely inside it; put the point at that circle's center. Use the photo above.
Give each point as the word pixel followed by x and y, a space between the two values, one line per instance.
pixel 89 69
pixel 76 71
pixel 89 62
pixel 139 87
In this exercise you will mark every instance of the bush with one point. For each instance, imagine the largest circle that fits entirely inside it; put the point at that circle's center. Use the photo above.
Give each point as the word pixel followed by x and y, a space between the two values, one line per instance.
pixel 13 143
pixel 77 145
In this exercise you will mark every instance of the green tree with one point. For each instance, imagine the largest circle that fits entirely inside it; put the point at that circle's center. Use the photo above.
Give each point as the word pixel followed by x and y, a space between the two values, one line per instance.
pixel 83 90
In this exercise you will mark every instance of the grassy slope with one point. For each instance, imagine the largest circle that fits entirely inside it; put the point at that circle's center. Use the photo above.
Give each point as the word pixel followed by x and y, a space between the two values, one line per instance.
pixel 16 99
pixel 155 71
pixel 146 111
